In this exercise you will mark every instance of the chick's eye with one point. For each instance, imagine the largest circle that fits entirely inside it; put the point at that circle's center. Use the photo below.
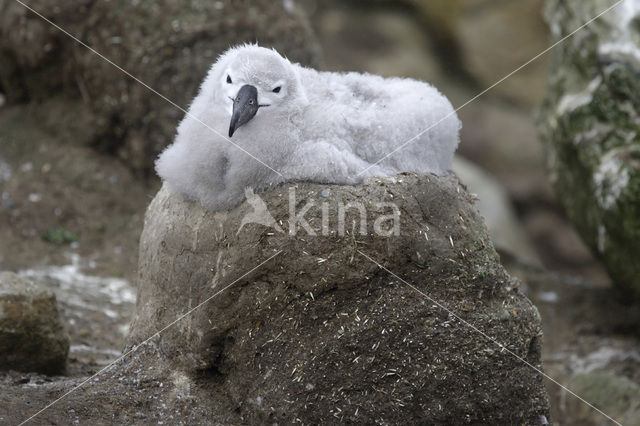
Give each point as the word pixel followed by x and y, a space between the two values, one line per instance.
pixel 277 89
pixel 229 79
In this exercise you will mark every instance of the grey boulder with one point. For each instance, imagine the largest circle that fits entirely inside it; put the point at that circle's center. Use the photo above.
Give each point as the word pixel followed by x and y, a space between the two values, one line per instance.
pixel 280 320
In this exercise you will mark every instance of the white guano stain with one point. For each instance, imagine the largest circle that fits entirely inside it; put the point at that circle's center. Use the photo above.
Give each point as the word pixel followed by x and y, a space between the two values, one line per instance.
pixel 611 178
pixel 602 238
pixel 73 281
pixel 572 101
pixel 622 44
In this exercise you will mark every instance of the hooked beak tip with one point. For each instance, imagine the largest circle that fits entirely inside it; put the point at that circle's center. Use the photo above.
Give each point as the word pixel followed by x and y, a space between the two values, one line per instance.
pixel 245 106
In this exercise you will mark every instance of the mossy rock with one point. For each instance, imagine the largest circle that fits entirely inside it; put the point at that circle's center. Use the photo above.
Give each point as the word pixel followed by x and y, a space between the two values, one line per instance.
pixel 590 123
pixel 618 396
pixel 32 335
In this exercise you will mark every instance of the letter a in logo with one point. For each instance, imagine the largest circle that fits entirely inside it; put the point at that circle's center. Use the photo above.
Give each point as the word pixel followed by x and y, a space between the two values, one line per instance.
pixel 260 213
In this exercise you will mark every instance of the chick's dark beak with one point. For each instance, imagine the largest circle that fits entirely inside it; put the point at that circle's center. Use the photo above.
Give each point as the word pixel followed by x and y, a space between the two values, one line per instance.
pixel 245 107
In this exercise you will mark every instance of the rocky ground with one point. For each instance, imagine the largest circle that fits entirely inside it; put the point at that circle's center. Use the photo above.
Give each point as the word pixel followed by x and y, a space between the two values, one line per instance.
pixel 69 217
pixel 51 181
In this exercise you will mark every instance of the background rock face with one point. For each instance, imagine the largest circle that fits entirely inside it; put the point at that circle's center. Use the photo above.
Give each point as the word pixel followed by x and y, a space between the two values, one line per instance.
pixel 589 124
pixel 465 34
pixel 167 44
pixel 320 333
pixel 32 337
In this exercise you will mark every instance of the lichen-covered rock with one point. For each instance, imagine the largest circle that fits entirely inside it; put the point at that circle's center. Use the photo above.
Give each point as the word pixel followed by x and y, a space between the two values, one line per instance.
pixel 32 335
pixel 618 396
pixel 168 44
pixel 590 126
pixel 319 333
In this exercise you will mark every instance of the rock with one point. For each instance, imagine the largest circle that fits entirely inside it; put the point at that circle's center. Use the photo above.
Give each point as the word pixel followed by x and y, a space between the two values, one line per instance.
pixel 98 308
pixel 589 346
pixel 301 327
pixel 589 125
pixel 488 39
pixel 32 335
pixel 485 40
pixel 619 395
pixel 388 41
pixel 503 140
pixel 497 37
pixel 507 233
pixel 560 247
pixel 168 44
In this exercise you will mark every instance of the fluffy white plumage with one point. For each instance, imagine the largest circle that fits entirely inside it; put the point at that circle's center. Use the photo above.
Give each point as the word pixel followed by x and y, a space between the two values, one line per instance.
pixel 318 126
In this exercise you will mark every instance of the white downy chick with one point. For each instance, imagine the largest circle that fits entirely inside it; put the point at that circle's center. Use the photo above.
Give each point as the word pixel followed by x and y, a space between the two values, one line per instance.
pixel 290 123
